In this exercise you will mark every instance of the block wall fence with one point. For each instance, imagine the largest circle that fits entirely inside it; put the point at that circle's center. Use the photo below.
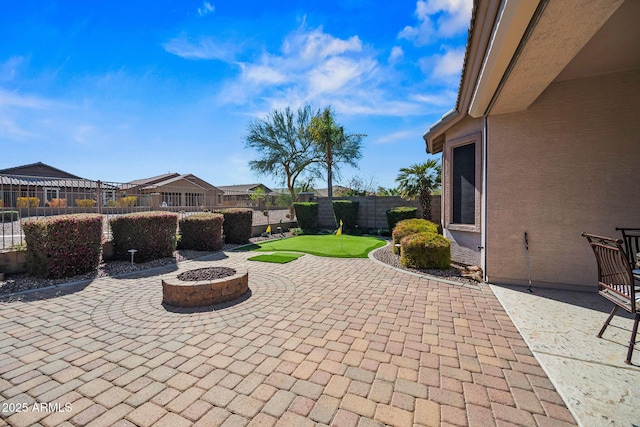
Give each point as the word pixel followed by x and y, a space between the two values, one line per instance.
pixel 372 210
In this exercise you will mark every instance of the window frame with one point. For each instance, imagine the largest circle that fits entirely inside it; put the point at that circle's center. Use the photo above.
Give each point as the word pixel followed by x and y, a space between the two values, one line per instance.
pixel 476 139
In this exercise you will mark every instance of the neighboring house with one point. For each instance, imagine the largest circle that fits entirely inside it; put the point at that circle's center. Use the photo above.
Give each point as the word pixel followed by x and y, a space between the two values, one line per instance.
pixel 241 195
pixel 338 191
pixel 174 190
pixel 47 184
pixel 544 138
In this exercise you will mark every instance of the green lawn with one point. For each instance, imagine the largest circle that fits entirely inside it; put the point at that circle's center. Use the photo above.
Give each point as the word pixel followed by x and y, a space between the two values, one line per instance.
pixel 328 245
pixel 277 258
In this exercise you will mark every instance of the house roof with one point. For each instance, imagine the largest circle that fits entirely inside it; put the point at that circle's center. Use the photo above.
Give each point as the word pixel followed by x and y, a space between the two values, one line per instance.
pixel 243 188
pixel 153 179
pixel 38 169
pixel 168 179
pixel 515 52
pixel 324 192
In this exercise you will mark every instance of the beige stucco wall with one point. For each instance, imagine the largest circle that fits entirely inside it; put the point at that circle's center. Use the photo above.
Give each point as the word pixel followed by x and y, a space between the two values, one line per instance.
pixel 465 240
pixel 568 164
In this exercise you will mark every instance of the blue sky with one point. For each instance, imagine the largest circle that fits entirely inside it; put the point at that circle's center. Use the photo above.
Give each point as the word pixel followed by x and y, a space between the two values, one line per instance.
pixel 120 90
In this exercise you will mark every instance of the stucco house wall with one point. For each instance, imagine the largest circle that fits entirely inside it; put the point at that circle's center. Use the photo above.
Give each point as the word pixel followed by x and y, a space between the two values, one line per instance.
pixel 566 165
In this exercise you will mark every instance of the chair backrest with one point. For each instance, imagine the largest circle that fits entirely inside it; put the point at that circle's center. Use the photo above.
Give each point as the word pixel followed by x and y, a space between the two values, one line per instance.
pixel 631 238
pixel 615 280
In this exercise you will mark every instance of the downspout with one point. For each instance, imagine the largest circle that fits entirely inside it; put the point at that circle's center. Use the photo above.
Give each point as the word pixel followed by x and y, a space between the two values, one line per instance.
pixel 483 199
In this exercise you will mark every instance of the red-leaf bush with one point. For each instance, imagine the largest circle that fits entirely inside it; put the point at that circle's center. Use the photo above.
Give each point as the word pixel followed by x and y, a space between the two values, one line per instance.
pixel 201 232
pixel 63 245
pixel 151 234
pixel 407 227
pixel 425 250
pixel 237 225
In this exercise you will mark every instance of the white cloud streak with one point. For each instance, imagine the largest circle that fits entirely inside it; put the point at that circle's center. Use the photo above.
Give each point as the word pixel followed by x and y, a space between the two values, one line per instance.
pixel 445 66
pixel 396 54
pixel 204 48
pixel 315 67
pixel 395 137
pixel 16 100
pixel 206 9
pixel 438 19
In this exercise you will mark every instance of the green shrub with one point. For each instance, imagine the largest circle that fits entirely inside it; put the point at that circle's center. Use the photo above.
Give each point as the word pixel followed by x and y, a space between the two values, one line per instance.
pixel 307 215
pixel 399 213
pixel 63 245
pixel 152 234
pixel 8 216
pixel 347 211
pixel 237 224
pixel 411 226
pixel 425 250
pixel 201 232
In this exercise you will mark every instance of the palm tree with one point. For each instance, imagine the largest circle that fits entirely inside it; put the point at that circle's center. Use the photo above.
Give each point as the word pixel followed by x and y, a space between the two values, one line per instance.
pixel 418 181
pixel 334 143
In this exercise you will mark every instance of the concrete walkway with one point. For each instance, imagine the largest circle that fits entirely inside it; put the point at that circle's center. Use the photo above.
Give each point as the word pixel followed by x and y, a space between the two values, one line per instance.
pixel 560 328
pixel 344 342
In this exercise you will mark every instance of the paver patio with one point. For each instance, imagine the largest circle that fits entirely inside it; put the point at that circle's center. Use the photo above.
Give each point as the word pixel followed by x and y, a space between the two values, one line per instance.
pixel 344 342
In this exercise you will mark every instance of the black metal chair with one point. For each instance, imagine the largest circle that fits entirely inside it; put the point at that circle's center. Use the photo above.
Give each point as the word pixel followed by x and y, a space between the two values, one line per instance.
pixel 631 238
pixel 616 281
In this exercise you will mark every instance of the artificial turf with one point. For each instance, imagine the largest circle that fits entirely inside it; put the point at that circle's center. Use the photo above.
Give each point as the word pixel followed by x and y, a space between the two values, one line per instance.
pixel 328 245
pixel 277 258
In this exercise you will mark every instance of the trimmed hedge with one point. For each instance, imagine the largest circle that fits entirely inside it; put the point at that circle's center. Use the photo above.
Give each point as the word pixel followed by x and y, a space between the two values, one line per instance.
pixel 63 245
pixel 399 213
pixel 201 232
pixel 8 216
pixel 347 211
pixel 411 226
pixel 425 250
pixel 307 215
pixel 152 234
pixel 237 225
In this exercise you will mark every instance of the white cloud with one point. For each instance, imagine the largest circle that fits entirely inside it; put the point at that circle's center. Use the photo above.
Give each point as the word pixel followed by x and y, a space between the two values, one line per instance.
pixel 446 65
pixel 337 73
pixel 262 74
pixel 396 54
pixel 443 99
pixel 311 66
pixel 16 100
pixel 395 137
pixel 206 8
pixel 318 68
pixel 438 19
pixel 205 48
pixel 9 69
pixel 11 130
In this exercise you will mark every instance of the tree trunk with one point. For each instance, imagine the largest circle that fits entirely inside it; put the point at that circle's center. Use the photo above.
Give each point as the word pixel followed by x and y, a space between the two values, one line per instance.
pixel 329 181
pixel 329 170
pixel 425 201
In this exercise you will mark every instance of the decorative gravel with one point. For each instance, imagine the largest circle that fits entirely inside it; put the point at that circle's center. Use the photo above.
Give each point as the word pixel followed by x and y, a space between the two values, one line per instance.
pixel 387 256
pixel 210 273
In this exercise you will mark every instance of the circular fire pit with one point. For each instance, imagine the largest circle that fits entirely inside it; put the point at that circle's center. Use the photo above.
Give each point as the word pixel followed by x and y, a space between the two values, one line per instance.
pixel 205 286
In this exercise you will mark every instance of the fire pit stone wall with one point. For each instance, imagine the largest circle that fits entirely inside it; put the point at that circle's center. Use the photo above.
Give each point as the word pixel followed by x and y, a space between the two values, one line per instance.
pixel 205 292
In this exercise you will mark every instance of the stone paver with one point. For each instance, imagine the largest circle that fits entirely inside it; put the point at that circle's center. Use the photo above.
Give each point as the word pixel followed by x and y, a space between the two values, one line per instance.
pixel 344 342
